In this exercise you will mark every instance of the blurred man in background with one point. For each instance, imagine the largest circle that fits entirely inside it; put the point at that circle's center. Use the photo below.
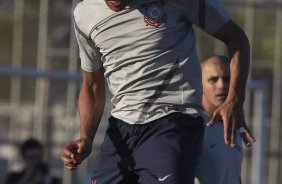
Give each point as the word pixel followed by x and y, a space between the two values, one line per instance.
pixel 218 163
pixel 35 170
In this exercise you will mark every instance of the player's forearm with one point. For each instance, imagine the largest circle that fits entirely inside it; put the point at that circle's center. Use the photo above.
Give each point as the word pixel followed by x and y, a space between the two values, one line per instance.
pixel 91 107
pixel 239 51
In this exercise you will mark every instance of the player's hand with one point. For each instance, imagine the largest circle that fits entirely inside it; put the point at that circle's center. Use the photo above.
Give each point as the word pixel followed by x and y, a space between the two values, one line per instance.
pixel 75 152
pixel 246 135
pixel 232 115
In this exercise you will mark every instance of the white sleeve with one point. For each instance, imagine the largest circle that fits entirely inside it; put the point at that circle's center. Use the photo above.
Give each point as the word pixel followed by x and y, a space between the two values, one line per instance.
pixel 89 54
pixel 209 15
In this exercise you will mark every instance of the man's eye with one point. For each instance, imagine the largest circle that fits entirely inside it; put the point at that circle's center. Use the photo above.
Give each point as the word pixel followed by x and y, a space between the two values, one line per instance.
pixel 212 80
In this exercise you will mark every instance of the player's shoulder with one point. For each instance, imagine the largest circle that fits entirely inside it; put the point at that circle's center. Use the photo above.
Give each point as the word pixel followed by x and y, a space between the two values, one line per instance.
pixel 82 5
pixel 88 13
pixel 85 9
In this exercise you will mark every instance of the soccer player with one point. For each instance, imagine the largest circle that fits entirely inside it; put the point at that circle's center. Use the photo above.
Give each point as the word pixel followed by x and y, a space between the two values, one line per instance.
pixel 218 163
pixel 145 50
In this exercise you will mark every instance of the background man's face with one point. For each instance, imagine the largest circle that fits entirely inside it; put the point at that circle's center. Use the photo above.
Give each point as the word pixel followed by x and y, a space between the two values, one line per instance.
pixel 216 79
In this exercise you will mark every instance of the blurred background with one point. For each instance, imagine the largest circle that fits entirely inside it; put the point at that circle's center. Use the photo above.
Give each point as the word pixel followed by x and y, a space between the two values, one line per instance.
pixel 40 81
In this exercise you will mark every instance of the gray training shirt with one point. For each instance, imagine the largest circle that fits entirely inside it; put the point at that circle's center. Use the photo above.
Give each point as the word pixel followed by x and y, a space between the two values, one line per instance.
pixel 148 53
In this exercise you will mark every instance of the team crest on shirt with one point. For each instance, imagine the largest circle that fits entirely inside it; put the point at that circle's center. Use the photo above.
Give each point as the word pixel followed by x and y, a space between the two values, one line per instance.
pixel 155 15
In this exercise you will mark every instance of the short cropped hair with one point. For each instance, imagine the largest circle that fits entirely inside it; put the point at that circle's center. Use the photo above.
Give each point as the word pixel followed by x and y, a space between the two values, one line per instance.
pixel 223 59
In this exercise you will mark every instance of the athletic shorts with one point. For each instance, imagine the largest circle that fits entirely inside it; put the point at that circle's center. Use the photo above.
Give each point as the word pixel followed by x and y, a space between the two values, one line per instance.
pixel 164 151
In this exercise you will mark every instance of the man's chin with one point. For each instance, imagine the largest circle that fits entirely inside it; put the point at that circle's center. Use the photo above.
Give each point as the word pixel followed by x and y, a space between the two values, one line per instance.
pixel 116 6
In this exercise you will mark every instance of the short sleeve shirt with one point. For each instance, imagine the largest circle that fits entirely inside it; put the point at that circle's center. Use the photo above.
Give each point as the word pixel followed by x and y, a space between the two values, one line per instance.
pixel 219 163
pixel 148 51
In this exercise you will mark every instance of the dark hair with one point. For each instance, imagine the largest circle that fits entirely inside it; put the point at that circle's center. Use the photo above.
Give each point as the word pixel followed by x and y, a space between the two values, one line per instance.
pixel 30 144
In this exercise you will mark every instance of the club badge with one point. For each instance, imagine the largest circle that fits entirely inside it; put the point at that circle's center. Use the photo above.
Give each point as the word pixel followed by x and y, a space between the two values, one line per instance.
pixel 155 15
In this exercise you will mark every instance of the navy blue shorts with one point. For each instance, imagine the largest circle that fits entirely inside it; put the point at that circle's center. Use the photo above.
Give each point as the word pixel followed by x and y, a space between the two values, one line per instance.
pixel 164 151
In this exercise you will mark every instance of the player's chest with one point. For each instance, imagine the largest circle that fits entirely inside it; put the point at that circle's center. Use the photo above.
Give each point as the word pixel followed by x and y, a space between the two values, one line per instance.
pixel 151 20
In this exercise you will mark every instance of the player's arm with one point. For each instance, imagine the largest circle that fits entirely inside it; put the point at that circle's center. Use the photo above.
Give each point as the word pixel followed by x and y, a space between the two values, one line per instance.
pixel 239 51
pixel 91 103
pixel 91 106
pixel 231 112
